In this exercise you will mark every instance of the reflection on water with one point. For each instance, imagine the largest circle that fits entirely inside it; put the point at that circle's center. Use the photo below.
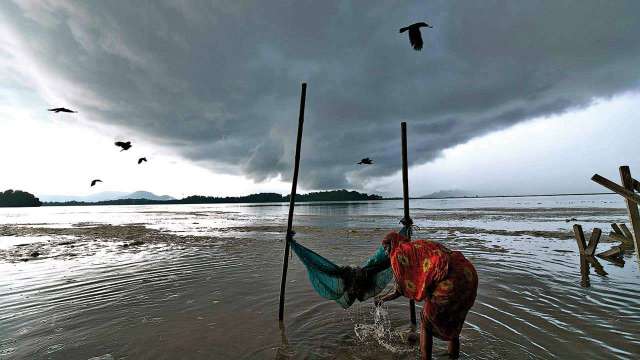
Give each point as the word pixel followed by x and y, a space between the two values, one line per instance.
pixel 216 295
pixel 283 351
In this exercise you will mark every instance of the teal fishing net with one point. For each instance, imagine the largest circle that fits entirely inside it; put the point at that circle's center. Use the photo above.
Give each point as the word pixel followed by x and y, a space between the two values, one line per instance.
pixel 345 284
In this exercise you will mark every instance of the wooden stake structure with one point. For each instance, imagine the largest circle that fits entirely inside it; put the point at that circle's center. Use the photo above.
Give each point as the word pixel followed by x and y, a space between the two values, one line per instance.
pixel 627 190
pixel 590 248
pixel 406 221
pixel 587 252
pixel 292 202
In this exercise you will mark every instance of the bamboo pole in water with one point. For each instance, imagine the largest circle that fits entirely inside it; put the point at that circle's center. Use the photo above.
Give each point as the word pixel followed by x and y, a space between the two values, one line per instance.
pixel 294 186
pixel 407 222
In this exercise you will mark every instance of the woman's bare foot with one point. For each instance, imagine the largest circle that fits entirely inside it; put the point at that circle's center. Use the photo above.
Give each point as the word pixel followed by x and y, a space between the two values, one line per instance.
pixel 412 337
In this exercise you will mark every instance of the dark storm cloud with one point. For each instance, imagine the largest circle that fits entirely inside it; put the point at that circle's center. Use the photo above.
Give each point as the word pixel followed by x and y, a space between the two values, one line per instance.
pixel 220 83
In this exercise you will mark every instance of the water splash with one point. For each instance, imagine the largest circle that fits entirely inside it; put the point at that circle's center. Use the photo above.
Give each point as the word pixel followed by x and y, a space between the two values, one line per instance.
pixel 381 331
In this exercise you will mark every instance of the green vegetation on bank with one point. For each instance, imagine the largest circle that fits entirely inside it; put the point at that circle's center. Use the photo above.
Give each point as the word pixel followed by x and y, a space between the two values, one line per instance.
pixel 17 198
pixel 333 195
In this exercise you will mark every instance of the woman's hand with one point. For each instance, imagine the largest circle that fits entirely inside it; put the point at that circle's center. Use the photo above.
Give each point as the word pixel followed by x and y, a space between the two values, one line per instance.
pixel 392 295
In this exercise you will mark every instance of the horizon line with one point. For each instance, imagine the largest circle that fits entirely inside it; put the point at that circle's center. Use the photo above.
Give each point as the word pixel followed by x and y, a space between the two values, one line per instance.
pixel 498 196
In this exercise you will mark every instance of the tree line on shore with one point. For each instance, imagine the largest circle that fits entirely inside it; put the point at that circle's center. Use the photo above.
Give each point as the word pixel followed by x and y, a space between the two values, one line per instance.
pixel 332 195
pixel 17 198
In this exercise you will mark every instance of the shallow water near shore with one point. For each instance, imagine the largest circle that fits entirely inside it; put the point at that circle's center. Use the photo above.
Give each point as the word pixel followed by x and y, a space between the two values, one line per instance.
pixel 205 281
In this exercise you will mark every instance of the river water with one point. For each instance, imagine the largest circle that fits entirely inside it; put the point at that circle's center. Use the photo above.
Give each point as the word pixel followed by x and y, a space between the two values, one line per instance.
pixel 205 282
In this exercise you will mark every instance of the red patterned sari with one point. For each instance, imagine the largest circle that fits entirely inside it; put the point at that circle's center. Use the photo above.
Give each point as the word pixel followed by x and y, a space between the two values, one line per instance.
pixel 444 279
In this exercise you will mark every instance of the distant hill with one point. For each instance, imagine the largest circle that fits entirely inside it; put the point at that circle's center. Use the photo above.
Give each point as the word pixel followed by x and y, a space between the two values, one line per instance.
pixel 17 198
pixel 106 196
pixel 449 194
pixel 146 195
pixel 333 195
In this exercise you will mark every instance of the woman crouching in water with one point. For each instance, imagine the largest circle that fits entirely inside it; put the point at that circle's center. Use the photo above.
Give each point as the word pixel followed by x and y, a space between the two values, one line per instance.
pixel 444 279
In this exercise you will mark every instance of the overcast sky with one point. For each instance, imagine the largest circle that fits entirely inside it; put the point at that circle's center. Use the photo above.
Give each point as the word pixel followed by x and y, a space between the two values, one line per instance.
pixel 506 97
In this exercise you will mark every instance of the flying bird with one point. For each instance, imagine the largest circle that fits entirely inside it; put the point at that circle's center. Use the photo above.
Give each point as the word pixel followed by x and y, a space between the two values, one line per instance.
pixel 123 145
pixel 365 161
pixel 141 160
pixel 61 109
pixel 93 182
pixel 415 38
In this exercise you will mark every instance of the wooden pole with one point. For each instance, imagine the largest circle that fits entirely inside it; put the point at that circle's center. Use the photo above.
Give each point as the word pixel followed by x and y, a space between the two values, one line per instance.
pixel 632 207
pixel 595 264
pixel 577 232
pixel 636 185
pixel 627 193
pixel 593 242
pixel 294 186
pixel 617 229
pixel 407 222
pixel 627 233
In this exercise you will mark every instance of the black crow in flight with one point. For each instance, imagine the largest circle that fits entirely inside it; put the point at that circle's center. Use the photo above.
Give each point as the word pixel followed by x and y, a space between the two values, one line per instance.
pixel 123 145
pixel 93 182
pixel 365 161
pixel 141 160
pixel 61 109
pixel 414 34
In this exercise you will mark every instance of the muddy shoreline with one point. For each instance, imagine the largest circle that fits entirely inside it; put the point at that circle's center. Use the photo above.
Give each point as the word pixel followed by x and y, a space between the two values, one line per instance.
pixel 81 239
